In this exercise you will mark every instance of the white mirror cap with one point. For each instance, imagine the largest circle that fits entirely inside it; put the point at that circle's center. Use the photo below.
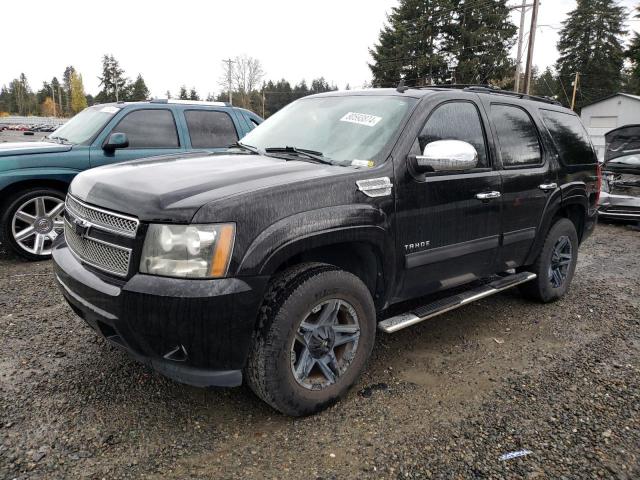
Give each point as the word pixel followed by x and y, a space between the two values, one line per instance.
pixel 449 155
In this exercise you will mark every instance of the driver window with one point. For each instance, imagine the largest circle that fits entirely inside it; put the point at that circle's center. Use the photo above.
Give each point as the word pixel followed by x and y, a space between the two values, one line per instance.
pixel 455 121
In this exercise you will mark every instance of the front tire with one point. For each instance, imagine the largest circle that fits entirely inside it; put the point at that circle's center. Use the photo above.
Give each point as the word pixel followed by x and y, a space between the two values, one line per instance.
pixel 555 264
pixel 31 220
pixel 315 333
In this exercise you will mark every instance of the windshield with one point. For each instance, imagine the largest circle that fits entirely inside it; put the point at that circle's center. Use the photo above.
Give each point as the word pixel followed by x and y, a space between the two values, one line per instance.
pixel 341 128
pixel 85 125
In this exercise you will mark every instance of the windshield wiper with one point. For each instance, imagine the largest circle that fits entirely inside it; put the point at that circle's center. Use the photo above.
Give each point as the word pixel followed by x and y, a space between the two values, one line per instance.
pixel 244 146
pixel 302 152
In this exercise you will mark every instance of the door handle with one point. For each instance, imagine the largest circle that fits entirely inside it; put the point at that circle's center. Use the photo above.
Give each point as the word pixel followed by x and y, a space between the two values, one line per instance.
pixel 548 186
pixel 488 195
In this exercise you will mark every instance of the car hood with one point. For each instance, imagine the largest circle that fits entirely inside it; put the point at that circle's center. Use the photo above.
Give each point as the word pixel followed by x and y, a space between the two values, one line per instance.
pixel 173 188
pixel 28 148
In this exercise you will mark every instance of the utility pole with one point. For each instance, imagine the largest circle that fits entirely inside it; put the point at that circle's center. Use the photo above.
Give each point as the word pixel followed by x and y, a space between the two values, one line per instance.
pixel 575 90
pixel 532 41
pixel 523 11
pixel 229 62
pixel 263 103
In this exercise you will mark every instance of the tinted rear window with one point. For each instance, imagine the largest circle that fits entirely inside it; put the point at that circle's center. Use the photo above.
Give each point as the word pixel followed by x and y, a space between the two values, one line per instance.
pixel 210 129
pixel 517 135
pixel 569 137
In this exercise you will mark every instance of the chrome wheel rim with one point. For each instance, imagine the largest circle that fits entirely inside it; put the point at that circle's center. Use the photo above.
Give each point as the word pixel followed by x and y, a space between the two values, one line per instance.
pixel 37 223
pixel 561 258
pixel 325 344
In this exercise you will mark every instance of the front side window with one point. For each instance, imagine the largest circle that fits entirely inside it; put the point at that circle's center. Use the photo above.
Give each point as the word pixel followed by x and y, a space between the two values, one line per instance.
pixel 517 135
pixel 569 137
pixel 342 127
pixel 210 129
pixel 456 121
pixel 149 129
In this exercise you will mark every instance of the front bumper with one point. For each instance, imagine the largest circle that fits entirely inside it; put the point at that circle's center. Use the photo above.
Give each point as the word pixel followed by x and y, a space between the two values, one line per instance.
pixel 196 332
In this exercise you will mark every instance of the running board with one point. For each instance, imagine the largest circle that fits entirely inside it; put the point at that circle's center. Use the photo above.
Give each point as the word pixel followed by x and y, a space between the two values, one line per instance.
pixel 430 310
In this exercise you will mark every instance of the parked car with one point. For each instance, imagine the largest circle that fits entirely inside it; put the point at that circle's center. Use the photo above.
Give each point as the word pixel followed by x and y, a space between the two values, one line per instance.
pixel 277 261
pixel 34 176
pixel 620 198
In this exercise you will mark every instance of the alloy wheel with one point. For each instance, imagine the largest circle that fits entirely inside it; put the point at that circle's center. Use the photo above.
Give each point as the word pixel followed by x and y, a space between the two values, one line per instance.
pixel 37 223
pixel 561 257
pixel 325 344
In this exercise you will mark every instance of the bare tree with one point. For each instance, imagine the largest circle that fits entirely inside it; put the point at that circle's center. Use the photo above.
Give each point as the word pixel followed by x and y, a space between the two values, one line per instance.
pixel 242 75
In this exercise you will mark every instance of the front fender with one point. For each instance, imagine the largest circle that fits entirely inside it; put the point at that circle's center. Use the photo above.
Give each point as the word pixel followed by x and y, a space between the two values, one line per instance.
pixel 32 175
pixel 306 230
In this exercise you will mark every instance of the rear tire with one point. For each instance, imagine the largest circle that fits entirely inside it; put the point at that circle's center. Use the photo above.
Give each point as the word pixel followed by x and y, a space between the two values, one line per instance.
pixel 315 333
pixel 555 264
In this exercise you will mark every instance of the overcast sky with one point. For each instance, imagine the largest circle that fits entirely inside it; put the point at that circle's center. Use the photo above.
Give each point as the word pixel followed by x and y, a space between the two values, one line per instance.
pixel 183 42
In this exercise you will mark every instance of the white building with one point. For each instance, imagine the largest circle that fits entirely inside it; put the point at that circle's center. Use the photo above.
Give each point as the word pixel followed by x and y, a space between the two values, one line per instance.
pixel 608 113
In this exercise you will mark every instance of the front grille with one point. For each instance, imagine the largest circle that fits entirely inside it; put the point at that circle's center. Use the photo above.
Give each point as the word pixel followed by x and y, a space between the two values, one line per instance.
pixel 81 224
pixel 107 257
pixel 110 221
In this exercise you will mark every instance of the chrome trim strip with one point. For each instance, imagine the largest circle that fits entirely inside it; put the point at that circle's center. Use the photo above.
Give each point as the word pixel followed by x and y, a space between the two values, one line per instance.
pixel 106 212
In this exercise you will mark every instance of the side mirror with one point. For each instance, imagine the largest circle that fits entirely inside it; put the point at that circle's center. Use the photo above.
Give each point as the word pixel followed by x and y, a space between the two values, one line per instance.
pixel 445 156
pixel 116 140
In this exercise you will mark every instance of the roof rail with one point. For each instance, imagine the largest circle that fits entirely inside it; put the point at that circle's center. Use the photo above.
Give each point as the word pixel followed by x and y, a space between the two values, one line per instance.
pixel 498 91
pixel 189 102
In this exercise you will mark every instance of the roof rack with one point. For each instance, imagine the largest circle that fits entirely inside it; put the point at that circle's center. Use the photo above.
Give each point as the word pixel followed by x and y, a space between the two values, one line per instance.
pixel 189 102
pixel 495 90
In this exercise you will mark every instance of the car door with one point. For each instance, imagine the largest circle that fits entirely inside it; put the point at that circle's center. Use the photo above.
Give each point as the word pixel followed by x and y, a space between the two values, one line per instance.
pixel 528 179
pixel 210 129
pixel 447 233
pixel 150 131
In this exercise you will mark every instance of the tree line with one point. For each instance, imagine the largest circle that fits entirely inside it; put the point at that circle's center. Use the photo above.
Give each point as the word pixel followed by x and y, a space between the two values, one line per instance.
pixel 67 97
pixel 427 42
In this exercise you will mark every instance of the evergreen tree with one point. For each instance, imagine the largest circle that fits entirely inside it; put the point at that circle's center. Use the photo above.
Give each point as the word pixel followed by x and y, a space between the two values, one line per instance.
pixel 634 56
pixel 139 90
pixel 478 40
pixel 66 92
pixel 591 44
pixel 193 95
pixel 112 81
pixel 545 85
pixel 78 97
pixel 183 93
pixel 410 44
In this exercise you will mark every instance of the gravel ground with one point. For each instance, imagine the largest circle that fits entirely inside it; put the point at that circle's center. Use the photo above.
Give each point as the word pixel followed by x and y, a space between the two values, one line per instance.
pixel 14 136
pixel 444 399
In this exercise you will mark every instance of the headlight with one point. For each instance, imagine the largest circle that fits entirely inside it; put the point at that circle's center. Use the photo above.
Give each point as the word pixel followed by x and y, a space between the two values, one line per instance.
pixel 200 251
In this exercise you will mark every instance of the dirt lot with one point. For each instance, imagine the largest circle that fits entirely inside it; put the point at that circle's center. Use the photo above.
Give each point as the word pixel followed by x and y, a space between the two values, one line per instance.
pixel 444 399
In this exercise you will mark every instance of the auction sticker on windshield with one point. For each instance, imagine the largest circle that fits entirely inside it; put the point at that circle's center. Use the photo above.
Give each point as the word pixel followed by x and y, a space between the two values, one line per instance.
pixel 361 119
pixel 109 109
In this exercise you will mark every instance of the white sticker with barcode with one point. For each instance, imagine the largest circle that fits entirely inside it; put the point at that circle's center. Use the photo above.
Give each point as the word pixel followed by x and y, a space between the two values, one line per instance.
pixel 361 119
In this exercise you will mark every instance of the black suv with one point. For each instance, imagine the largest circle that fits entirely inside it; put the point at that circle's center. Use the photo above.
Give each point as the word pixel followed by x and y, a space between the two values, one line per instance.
pixel 278 260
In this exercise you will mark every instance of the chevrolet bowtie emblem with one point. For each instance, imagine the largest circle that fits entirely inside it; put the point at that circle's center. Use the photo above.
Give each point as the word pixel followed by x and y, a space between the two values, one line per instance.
pixel 81 227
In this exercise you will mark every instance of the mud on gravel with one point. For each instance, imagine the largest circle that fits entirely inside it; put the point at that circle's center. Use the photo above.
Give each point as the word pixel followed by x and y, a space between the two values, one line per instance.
pixel 444 399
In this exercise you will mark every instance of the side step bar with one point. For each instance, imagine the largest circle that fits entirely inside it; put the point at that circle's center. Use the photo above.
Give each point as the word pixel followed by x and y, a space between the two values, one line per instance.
pixel 430 310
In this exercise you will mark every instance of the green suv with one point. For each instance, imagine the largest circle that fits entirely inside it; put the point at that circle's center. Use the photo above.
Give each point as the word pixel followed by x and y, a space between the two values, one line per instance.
pixel 34 176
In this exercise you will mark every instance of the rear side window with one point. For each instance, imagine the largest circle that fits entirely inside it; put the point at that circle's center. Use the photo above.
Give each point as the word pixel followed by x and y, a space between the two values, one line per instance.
pixel 456 121
pixel 210 129
pixel 149 129
pixel 517 135
pixel 569 137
